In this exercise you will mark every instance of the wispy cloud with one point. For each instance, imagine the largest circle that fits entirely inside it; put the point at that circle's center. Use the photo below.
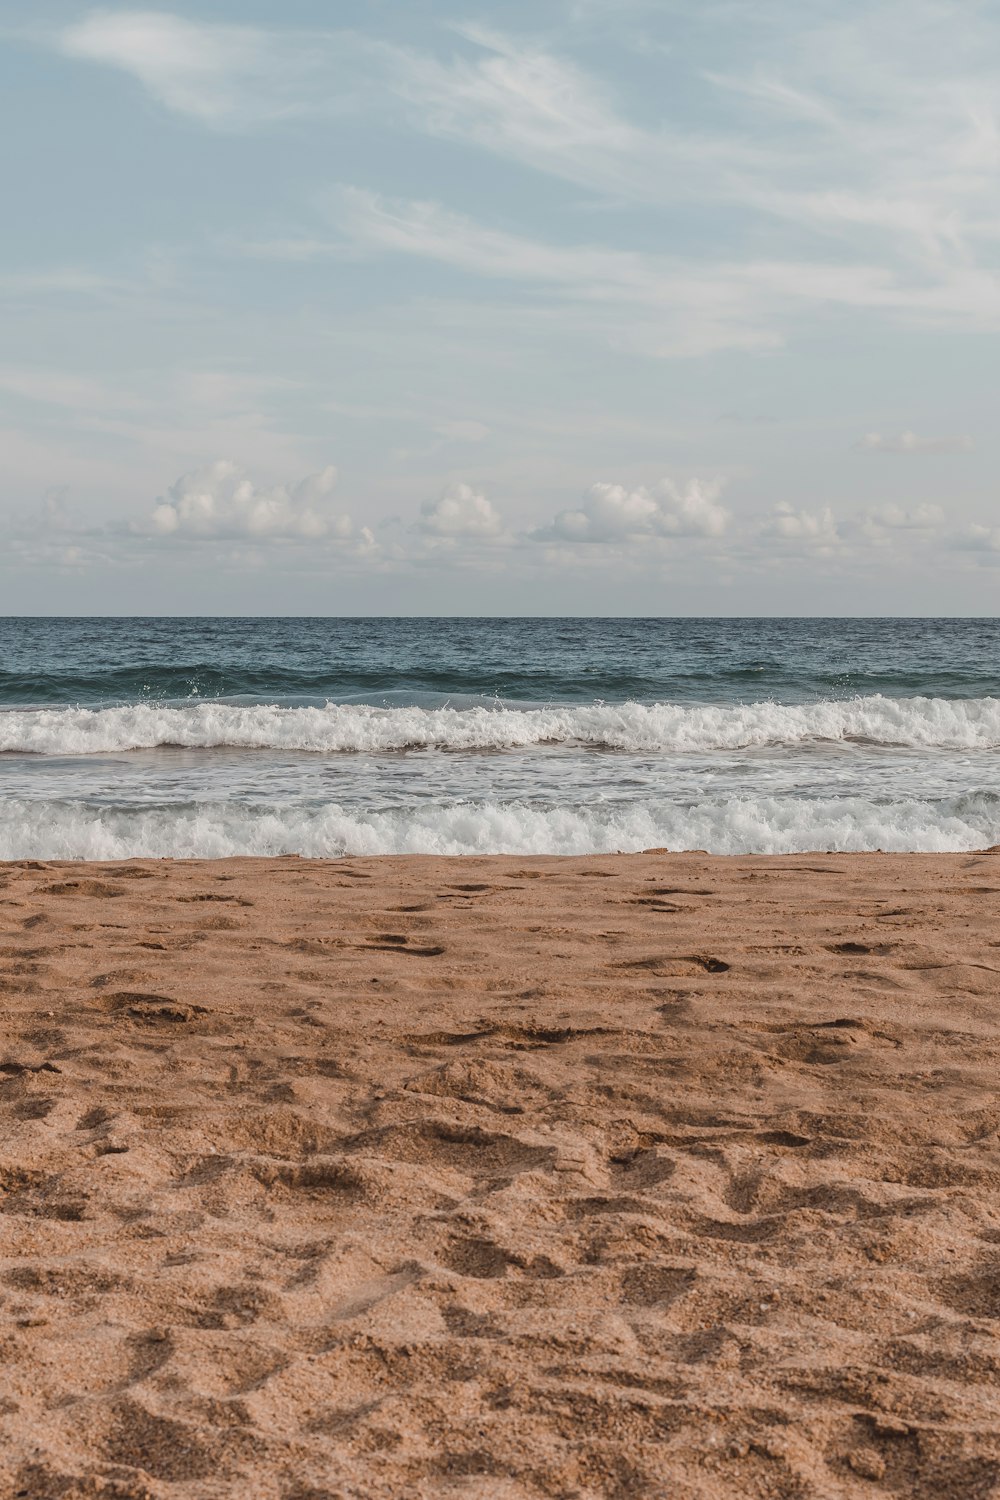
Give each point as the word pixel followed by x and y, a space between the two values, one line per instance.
pixel 462 430
pixel 892 146
pixel 873 167
pixel 64 389
pixel 56 281
pixel 216 73
pixel 697 307
pixel 909 442
pixel 696 311
pixel 521 101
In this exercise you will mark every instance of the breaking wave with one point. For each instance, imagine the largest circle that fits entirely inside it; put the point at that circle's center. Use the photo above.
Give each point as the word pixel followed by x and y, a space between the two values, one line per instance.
pixel 51 829
pixel 921 723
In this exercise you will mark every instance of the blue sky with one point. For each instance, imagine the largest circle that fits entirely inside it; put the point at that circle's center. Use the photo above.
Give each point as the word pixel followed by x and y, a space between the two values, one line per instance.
pixel 583 307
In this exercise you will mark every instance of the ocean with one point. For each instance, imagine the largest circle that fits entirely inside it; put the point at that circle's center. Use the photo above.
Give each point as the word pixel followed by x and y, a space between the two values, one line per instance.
pixel 326 737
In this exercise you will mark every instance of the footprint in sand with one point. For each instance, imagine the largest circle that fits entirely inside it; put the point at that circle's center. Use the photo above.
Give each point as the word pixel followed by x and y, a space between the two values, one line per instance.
pixel 391 942
pixel 666 964
pixel 81 888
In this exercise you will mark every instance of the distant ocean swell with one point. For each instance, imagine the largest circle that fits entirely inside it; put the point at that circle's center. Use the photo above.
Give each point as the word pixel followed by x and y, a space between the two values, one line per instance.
pixel 920 723
pixel 52 829
pixel 559 682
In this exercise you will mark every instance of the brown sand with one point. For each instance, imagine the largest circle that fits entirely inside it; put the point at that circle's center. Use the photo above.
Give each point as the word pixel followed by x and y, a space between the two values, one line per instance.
pixel 639 1176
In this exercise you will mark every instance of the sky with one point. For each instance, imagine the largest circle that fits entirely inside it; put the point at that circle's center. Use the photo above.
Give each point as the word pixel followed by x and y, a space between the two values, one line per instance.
pixel 572 307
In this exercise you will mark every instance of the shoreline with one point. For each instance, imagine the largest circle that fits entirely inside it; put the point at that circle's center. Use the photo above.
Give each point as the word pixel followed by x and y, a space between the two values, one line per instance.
pixel 507 1176
pixel 333 861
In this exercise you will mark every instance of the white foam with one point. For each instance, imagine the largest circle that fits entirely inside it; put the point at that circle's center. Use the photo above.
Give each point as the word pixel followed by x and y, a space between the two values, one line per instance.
pixel 967 724
pixel 41 829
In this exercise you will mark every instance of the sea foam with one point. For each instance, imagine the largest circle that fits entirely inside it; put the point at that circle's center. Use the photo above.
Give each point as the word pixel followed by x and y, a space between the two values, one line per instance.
pixel 49 829
pixel 923 723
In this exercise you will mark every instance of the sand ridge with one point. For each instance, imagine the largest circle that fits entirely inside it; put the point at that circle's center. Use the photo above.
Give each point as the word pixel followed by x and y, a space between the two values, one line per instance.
pixel 649 1175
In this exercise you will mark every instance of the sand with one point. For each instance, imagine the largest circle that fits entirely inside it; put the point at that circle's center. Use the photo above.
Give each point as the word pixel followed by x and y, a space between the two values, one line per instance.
pixel 632 1176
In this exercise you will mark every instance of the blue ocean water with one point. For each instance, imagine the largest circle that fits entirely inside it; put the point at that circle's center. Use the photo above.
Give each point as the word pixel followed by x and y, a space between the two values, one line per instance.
pixel 210 737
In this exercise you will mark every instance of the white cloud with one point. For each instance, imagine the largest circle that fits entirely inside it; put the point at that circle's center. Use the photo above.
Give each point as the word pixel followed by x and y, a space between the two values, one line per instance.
pixel 887 179
pixel 221 502
pixel 215 73
pixel 460 512
pixel 895 132
pixel 977 538
pixel 815 528
pixel 892 156
pixel 612 513
pixel 895 140
pixel 909 442
pixel 897 518
pixel 522 102
pixel 672 306
pixel 661 306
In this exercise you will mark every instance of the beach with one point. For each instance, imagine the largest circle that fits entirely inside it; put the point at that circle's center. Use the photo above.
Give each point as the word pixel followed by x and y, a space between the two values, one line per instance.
pixel 659 1175
pixel 500 751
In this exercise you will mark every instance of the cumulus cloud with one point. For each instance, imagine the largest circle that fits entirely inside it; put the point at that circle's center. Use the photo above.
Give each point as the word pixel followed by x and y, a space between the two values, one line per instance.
pixel 460 512
pixel 909 442
pixel 612 513
pixel 976 538
pixel 897 518
pixel 814 527
pixel 220 501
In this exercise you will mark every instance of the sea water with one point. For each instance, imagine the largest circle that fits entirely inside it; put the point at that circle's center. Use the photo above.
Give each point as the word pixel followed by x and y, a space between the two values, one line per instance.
pixel 326 737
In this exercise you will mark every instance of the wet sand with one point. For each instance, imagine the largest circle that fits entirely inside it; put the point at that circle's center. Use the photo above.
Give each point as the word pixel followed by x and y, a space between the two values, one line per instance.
pixel 638 1176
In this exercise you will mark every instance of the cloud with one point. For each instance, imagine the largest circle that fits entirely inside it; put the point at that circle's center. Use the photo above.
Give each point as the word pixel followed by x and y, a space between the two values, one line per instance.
pixel 56 281
pixel 60 388
pixel 864 128
pixel 870 126
pixel 657 304
pixel 520 101
pixel 220 502
pixel 215 73
pixel 461 512
pixel 977 538
pixel 896 518
pixel 814 528
pixel 909 442
pixel 894 107
pixel 462 431
pixel 874 164
pixel 612 513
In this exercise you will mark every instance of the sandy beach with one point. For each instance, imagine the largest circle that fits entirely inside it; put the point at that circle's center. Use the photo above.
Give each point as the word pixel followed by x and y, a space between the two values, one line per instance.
pixel 650 1175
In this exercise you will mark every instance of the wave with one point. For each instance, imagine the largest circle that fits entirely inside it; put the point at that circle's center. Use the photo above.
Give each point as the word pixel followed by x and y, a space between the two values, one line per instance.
pixel 923 723
pixel 48 829
pixel 567 681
